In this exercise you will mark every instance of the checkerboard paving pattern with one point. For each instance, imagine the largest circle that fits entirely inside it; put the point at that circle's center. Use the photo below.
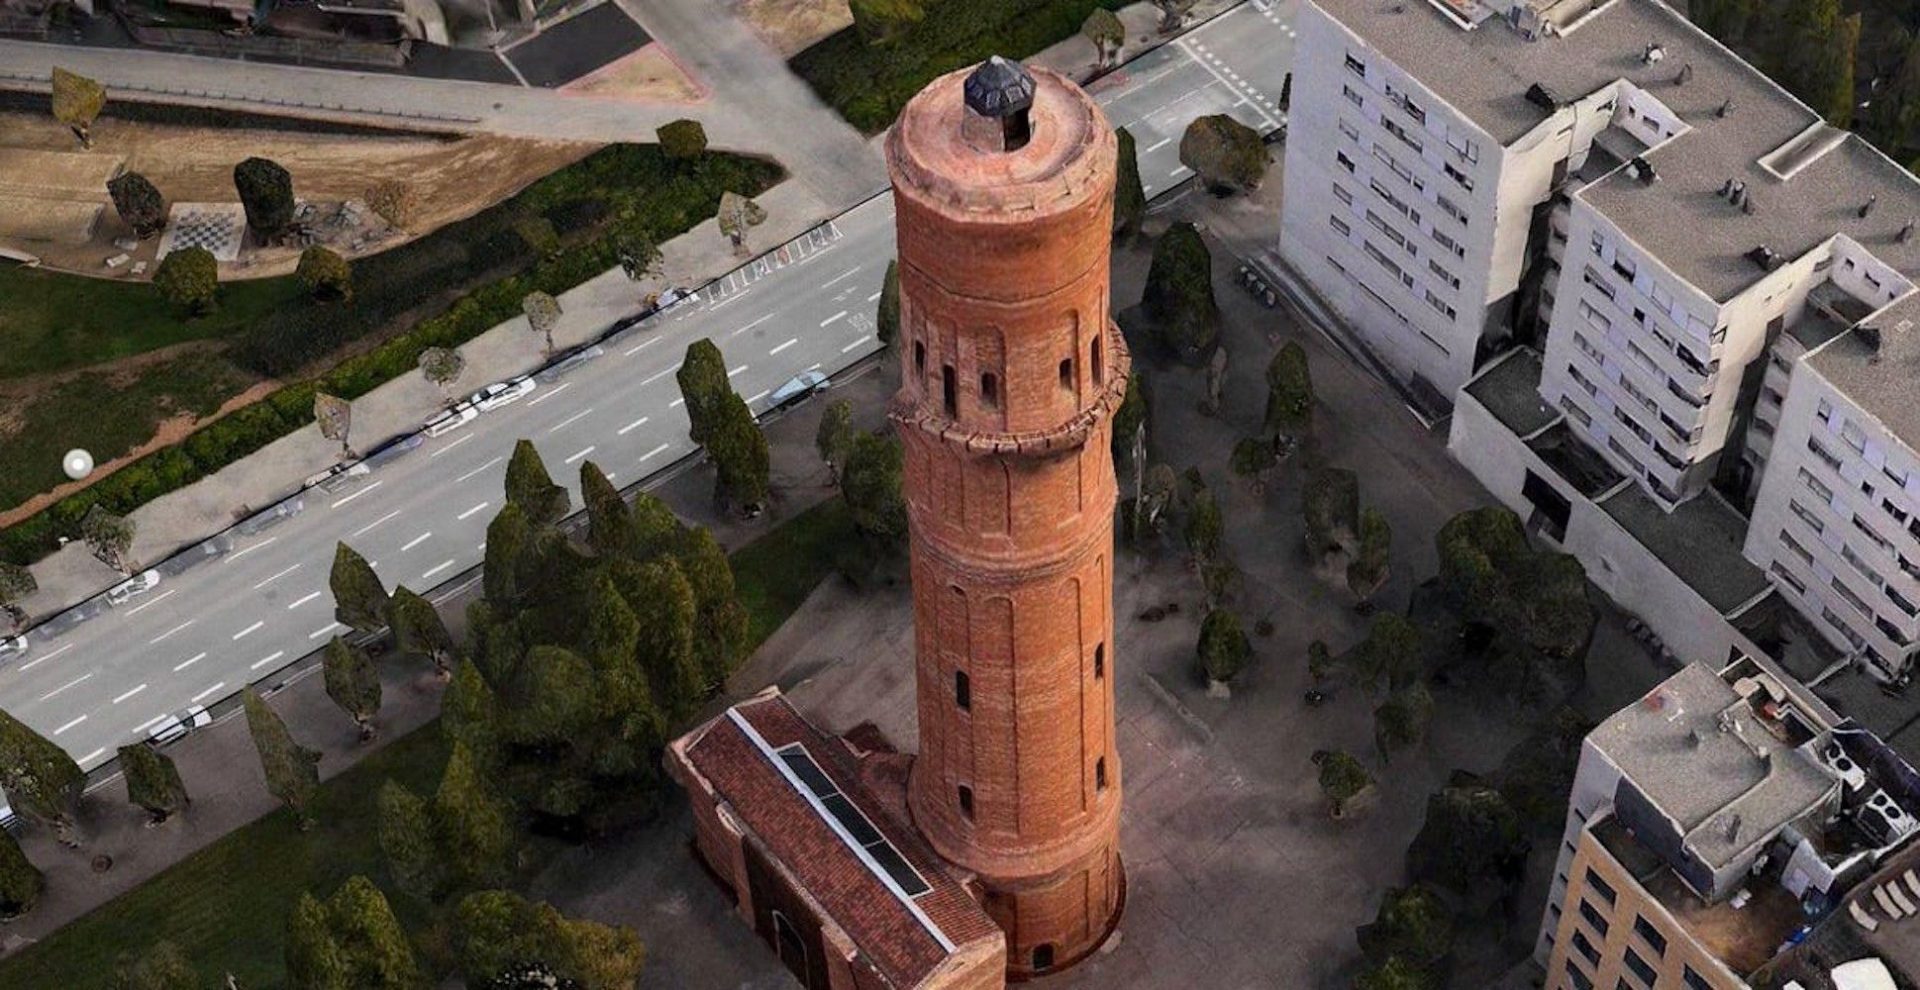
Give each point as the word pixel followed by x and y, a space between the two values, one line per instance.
pixel 218 227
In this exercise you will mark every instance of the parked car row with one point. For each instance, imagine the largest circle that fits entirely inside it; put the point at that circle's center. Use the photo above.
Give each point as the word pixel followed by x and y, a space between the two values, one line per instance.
pixel 488 399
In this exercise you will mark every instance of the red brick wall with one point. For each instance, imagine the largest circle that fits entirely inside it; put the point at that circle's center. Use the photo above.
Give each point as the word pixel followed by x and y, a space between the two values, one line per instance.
pixel 1010 489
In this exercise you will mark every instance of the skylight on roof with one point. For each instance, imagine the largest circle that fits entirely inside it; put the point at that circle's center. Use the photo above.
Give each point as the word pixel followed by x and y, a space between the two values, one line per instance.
pixel 854 824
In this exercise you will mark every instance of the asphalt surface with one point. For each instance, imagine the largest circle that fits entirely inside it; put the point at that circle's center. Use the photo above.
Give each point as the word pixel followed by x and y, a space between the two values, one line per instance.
pixel 257 601
pixel 576 46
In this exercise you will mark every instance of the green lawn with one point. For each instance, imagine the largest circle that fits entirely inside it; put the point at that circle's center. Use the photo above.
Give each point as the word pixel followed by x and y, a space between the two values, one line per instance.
pixel 51 321
pixel 226 906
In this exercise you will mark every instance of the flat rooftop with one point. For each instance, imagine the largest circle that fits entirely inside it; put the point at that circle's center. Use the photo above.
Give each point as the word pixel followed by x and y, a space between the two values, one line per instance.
pixel 1880 378
pixel 1485 73
pixel 1699 541
pixel 1511 392
pixel 1704 778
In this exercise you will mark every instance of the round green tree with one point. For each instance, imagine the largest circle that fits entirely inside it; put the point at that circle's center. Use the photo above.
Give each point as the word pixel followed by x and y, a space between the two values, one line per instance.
pixel 189 278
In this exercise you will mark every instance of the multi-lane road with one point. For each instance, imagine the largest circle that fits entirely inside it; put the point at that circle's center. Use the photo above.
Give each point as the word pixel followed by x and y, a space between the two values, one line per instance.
pixel 218 622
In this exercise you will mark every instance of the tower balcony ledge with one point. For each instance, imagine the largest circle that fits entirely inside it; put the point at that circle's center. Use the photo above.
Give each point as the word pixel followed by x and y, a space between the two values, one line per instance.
pixel 1068 435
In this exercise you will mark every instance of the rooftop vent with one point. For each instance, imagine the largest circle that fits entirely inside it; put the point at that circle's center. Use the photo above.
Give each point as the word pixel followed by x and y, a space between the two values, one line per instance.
pixel 1867 207
pixel 1653 53
pixel 1003 90
pixel 1870 335
pixel 1906 233
pixel 1684 76
pixel 1726 107
pixel 1733 828
pixel 1764 257
pixel 1540 96
pixel 1642 170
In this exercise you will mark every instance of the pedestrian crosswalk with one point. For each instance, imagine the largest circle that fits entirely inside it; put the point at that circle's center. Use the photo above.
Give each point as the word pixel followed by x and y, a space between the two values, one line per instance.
pixel 798 251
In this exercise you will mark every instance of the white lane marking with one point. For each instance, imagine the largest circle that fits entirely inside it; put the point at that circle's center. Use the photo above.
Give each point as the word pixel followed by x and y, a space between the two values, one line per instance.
pixel 130 694
pixel 437 568
pixel 416 541
pixel 450 446
pixel 84 760
pixel 736 371
pixel 250 630
pixel 611 475
pixel 263 661
pixel 630 427
pixel 190 661
pixel 784 346
pixel 583 453
pixel 303 600
pixel 276 577
pixel 202 696
pixel 758 396
pixel 65 686
pixel 329 627
pixel 1176 172
pixel 812 367
pixel 37 662
pixel 357 494
pixel 649 342
pixel 837 316
pixel 242 553
pixel 169 632
pixel 659 375
pixel 155 600
pixel 479 469
pixel 749 326
pixel 874 296
pixel 469 512
pixel 856 343
pixel 840 276
pixel 654 451
pixel 70 725
pixel 569 421
pixel 1157 145
pixel 544 396
pixel 362 531
pixel 675 404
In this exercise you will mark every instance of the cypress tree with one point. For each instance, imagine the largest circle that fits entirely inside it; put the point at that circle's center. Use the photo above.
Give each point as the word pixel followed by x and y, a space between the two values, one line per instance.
pixel 43 782
pixel 703 386
pixel 655 526
pixel 720 621
pixel 610 526
pixel 139 204
pixel 373 947
pixel 21 884
pixel 359 599
pixel 352 683
pixel 314 960
pixel 418 630
pixel 742 462
pixel 532 489
pixel 475 835
pixel 153 782
pixel 162 967
pixel 266 191
pixel 292 770
pixel 887 317
pixel 470 713
pixel 1129 196
pixel 507 539
pixel 666 642
pixel 1289 392
pixel 407 840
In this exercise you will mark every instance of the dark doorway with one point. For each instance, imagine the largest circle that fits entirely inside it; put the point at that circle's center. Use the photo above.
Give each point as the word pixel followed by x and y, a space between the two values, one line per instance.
pixel 1551 509
pixel 791 948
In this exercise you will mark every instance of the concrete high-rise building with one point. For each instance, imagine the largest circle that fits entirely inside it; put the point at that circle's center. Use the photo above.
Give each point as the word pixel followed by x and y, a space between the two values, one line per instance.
pixel 1011 368
pixel 993 852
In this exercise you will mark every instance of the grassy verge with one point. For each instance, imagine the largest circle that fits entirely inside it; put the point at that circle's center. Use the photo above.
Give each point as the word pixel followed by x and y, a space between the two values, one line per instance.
pixel 554 235
pixel 869 83
pixel 226 906
pixel 57 322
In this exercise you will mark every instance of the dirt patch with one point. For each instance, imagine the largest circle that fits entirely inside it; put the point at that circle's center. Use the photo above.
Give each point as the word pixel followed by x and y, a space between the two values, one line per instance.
pixel 171 431
pixel 791 26
pixel 455 177
pixel 649 74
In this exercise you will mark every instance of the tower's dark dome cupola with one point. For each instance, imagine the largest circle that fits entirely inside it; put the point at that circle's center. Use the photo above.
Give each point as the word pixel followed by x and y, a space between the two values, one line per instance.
pixel 1003 90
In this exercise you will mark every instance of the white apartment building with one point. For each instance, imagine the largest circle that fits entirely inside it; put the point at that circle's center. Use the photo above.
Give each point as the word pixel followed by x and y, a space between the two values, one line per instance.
pixel 1684 245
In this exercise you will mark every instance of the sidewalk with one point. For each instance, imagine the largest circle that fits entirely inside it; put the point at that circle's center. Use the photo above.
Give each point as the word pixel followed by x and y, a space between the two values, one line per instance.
pixel 222 770
pixel 186 517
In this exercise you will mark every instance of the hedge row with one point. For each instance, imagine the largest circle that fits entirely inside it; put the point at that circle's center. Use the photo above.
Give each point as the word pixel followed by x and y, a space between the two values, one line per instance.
pixel 869 83
pixel 663 197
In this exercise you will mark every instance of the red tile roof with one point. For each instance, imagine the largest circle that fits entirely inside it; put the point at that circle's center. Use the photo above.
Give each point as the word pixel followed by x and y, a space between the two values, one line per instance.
pixel 900 943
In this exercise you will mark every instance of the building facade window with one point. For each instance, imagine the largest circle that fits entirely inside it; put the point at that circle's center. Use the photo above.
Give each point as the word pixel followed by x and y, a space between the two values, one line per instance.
pixel 1600 886
pixel 1640 968
pixel 1595 918
pixel 966 801
pixel 962 691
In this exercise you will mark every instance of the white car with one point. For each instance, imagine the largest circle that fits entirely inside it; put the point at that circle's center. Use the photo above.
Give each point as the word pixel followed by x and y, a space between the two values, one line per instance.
pixel 334 477
pixel 173 727
pixel 452 419
pixel 133 587
pixel 502 393
pixel 12 648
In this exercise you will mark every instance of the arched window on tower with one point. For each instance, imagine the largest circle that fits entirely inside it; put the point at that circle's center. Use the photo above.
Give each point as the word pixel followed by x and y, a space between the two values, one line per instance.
pixel 1099 661
pixel 950 390
pixel 990 390
pixel 1096 365
pixel 1100 774
pixel 966 801
pixel 962 690
pixel 1066 373
pixel 919 358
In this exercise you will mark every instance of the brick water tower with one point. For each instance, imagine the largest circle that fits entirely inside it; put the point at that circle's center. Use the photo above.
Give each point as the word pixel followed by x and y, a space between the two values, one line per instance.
pixel 1011 371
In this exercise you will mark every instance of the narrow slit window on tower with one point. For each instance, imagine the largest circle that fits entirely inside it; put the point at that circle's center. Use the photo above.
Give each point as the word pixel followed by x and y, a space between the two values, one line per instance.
pixel 919 358
pixel 966 801
pixel 1066 373
pixel 962 690
pixel 1096 366
pixel 950 390
pixel 1099 661
pixel 1100 773
pixel 990 390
